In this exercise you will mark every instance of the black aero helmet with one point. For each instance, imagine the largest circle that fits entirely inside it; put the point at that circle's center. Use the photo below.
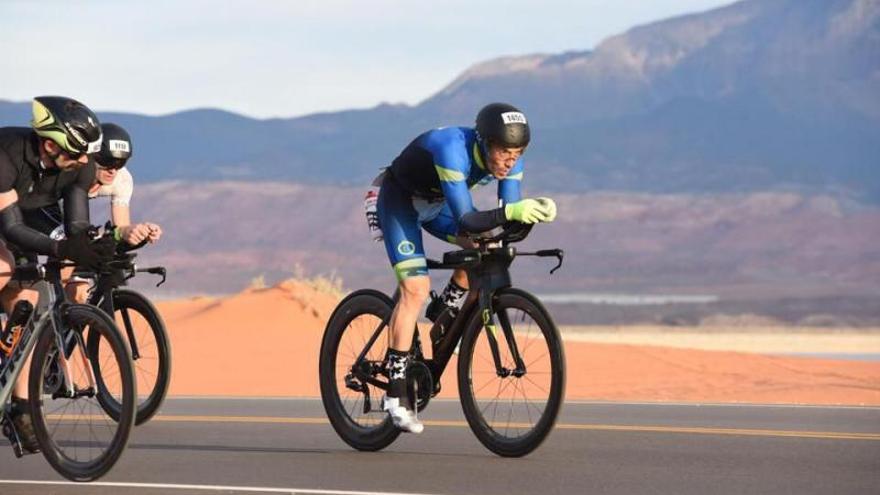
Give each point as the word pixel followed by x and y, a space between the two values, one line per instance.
pixel 67 122
pixel 116 148
pixel 503 124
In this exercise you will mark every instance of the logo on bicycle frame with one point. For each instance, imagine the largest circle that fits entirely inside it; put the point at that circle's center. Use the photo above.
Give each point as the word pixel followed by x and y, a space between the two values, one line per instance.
pixel 406 248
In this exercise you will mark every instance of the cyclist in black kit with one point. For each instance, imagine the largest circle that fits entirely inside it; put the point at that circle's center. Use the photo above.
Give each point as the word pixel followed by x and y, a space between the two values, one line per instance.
pixel 39 166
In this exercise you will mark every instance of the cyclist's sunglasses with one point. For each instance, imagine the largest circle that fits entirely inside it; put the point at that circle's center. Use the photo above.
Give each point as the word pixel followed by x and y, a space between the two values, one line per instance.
pixel 114 164
pixel 93 148
pixel 73 155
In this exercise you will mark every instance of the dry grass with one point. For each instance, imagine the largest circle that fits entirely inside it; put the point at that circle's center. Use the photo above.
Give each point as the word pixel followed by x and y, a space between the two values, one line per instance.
pixel 257 283
pixel 330 284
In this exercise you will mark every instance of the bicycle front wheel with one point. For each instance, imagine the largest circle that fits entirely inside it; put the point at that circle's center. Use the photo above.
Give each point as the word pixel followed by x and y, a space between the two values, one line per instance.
pixel 143 328
pixel 358 325
pixel 513 408
pixel 78 438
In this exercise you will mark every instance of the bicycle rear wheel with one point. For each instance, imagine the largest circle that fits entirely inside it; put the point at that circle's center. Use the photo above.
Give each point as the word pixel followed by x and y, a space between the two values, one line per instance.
pixel 136 317
pixel 512 415
pixel 78 438
pixel 359 318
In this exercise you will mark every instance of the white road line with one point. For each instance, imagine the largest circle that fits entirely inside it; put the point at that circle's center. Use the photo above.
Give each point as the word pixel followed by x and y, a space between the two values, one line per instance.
pixel 218 488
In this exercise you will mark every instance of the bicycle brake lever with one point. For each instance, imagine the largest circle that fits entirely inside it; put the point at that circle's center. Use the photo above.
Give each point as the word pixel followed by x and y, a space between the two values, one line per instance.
pixel 158 270
pixel 555 253
pixel 548 253
pixel 162 272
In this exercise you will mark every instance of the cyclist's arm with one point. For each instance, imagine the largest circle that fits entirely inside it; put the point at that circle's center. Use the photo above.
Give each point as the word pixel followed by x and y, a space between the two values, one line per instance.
pixel 120 199
pixel 76 201
pixel 481 221
pixel 15 231
pixel 453 182
pixel 120 212
pixel 120 215
pixel 12 223
pixel 509 190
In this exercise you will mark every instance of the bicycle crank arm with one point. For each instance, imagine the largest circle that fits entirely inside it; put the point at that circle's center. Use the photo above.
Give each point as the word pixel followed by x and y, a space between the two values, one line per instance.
pixel 11 434
pixel 76 394
pixel 368 403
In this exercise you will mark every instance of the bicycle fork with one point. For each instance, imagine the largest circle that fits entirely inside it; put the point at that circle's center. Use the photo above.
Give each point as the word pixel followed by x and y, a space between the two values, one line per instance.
pixel 71 345
pixel 107 305
pixel 488 316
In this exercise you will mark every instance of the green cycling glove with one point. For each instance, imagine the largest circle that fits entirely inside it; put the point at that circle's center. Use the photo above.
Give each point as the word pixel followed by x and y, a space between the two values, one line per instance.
pixel 550 208
pixel 526 211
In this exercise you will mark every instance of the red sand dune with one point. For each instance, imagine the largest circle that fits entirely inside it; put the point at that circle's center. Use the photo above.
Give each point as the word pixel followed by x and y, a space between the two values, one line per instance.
pixel 265 342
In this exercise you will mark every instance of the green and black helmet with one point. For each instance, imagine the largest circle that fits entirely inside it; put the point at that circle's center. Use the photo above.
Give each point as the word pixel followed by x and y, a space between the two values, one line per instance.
pixel 68 123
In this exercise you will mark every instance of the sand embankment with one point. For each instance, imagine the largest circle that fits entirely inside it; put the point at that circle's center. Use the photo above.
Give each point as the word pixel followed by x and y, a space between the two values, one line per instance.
pixel 265 342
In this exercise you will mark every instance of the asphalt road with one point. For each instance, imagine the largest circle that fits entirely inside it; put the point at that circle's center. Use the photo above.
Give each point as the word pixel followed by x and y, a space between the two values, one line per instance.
pixel 234 446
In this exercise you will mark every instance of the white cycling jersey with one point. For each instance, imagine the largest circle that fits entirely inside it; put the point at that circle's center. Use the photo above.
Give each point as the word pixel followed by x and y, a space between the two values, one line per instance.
pixel 120 190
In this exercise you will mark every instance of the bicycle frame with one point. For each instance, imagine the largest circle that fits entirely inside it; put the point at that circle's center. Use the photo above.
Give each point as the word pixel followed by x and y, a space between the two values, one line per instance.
pixel 102 297
pixel 46 314
pixel 107 282
pixel 488 270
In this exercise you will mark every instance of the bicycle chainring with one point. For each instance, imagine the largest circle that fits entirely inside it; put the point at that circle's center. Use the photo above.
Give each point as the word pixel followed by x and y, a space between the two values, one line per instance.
pixel 419 384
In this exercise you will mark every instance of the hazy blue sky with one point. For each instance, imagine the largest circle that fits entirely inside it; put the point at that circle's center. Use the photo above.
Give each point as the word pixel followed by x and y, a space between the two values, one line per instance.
pixel 268 59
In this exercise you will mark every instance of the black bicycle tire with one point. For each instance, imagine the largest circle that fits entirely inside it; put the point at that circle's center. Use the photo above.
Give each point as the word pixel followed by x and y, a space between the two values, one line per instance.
pixel 361 302
pixel 123 298
pixel 87 471
pixel 484 433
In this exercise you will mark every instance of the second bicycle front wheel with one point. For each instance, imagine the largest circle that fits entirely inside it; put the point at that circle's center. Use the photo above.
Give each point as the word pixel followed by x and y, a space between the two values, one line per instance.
pixel 77 436
pixel 143 328
pixel 513 408
pixel 359 325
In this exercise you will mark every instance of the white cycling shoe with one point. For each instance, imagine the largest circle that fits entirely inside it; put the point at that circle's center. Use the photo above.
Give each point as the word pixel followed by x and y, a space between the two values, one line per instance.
pixel 402 417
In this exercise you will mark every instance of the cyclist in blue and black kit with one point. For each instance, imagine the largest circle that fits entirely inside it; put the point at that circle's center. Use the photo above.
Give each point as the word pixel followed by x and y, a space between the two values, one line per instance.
pixel 428 186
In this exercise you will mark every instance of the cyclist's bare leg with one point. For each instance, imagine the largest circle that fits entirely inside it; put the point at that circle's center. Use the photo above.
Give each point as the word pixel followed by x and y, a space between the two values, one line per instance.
pixel 8 297
pixel 459 276
pixel 413 293
pixel 7 264
pixel 77 290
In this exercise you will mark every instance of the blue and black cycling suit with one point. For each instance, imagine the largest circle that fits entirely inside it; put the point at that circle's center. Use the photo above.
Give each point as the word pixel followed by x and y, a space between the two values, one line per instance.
pixel 428 186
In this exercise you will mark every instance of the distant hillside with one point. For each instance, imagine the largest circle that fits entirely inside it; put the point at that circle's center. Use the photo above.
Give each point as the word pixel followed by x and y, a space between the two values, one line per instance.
pixel 740 246
pixel 758 95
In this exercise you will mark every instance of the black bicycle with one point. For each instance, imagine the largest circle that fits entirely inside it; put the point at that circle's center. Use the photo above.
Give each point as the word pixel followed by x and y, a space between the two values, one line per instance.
pixel 70 343
pixel 511 383
pixel 143 328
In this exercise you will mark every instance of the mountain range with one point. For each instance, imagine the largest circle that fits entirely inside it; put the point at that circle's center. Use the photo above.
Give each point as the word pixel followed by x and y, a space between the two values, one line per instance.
pixel 732 153
pixel 757 95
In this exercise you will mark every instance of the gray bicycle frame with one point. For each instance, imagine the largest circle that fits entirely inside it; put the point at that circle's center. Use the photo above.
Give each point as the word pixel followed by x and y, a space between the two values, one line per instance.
pixel 45 315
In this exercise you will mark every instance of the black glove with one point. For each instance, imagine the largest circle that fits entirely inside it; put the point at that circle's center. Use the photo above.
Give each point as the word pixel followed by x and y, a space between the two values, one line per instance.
pixel 86 253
